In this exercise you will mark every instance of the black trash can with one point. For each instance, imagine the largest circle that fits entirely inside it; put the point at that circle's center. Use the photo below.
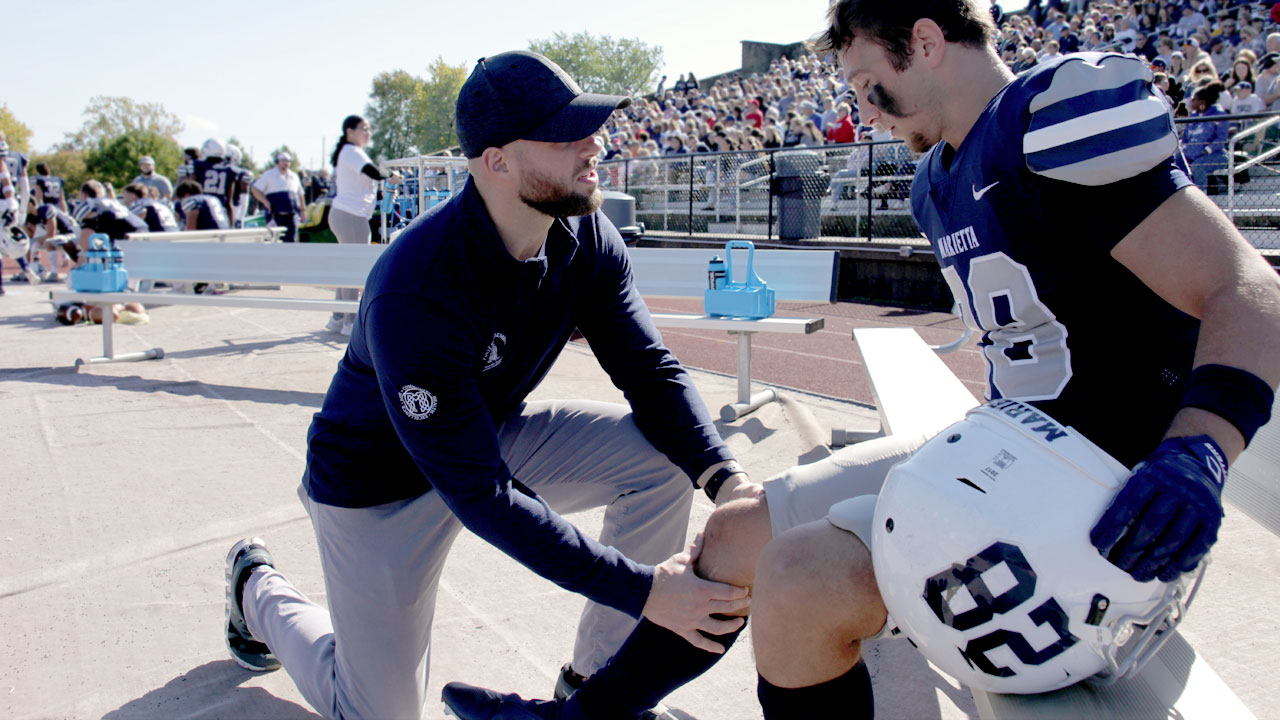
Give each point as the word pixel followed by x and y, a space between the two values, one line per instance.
pixel 620 208
pixel 800 181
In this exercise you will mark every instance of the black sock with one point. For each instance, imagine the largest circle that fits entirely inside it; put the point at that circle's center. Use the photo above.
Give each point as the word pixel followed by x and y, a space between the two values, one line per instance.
pixel 846 696
pixel 651 664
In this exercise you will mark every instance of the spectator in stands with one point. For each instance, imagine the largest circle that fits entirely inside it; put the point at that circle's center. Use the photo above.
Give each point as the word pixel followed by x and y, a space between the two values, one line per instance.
pixel 198 211
pixel 1241 71
pixel 1164 51
pixel 810 135
pixel 753 116
pixel 795 130
pixel 1244 100
pixel 279 190
pixel 1050 51
pixel 357 181
pixel 1203 143
pixel 843 129
pixel 1178 68
pixel 1268 84
pixel 149 178
pixel 1220 52
pixel 1192 19
pixel 772 137
pixel 1191 50
pixel 1202 72
pixel 1026 60
pixel 156 214
pixel 1143 47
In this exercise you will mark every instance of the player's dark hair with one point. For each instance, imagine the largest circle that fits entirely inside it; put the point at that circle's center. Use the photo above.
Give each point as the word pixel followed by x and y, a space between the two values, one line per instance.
pixel 93 189
pixel 185 188
pixel 138 190
pixel 42 168
pixel 890 23
pixel 192 153
pixel 350 123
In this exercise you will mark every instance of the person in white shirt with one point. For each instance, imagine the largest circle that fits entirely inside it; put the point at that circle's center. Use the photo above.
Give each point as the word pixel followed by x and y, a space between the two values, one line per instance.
pixel 280 191
pixel 1243 100
pixel 356 178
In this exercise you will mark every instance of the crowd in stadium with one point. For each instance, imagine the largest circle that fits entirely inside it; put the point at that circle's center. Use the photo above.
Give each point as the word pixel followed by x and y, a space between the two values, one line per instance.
pixel 1209 57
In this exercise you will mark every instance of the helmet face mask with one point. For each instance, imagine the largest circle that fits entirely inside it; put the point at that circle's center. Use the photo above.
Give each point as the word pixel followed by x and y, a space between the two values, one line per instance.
pixel 981 550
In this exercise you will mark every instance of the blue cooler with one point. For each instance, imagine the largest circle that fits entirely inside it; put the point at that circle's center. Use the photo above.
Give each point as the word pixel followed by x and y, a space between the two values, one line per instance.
pixel 103 271
pixel 750 298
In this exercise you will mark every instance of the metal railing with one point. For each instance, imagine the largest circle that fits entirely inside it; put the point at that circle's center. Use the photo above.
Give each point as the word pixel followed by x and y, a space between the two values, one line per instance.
pixel 861 192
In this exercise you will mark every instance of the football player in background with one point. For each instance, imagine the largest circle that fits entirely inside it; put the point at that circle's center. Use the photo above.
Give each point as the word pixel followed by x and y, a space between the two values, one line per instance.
pixel 216 176
pixel 54 231
pixel 1094 270
pixel 240 189
pixel 49 188
pixel 156 214
pixel 198 210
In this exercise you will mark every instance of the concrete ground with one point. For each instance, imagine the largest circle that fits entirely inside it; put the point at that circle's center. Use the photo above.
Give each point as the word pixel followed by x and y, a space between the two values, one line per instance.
pixel 124 485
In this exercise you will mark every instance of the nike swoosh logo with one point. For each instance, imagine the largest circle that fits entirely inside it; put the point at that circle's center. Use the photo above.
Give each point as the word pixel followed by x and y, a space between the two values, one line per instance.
pixel 977 194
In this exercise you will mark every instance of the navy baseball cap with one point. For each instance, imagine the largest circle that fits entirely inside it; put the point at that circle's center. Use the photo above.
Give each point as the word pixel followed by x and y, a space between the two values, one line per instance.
pixel 522 95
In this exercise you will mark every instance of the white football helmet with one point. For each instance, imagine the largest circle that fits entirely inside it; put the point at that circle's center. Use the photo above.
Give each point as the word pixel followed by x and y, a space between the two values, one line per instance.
pixel 234 154
pixel 981 550
pixel 213 148
pixel 14 242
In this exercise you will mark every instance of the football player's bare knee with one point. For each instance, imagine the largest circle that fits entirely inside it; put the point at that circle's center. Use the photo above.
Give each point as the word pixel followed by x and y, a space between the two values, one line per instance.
pixel 815 600
pixel 732 540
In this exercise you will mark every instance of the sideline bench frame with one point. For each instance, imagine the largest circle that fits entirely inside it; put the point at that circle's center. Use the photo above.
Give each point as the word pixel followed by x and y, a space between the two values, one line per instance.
pixel 235 256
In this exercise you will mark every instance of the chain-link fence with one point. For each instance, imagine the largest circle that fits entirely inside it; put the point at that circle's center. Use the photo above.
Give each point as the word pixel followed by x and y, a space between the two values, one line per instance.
pixel 862 191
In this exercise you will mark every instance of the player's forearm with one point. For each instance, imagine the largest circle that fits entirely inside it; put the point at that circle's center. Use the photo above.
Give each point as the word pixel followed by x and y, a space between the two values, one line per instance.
pixel 1239 328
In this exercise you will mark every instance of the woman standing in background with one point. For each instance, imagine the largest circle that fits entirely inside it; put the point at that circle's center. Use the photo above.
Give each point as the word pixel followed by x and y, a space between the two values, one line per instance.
pixel 356 178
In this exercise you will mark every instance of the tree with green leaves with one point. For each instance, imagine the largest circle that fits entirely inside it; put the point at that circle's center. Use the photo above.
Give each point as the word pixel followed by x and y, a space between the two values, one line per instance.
pixel 601 64
pixel 107 118
pixel 435 129
pixel 394 105
pixel 116 160
pixel 16 132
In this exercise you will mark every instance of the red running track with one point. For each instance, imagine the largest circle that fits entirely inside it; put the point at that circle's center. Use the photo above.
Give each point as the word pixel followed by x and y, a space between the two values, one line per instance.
pixel 826 362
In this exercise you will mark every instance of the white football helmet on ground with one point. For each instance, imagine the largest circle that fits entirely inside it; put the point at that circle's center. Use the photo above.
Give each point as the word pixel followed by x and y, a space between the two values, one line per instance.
pixel 981 551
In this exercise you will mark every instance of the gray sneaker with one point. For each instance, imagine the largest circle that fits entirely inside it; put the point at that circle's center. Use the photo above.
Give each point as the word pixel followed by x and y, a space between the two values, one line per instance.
pixel 248 652
pixel 568 682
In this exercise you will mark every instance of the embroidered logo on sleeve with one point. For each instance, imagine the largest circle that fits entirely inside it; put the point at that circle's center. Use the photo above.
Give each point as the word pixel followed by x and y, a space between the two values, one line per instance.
pixel 417 404
pixel 493 354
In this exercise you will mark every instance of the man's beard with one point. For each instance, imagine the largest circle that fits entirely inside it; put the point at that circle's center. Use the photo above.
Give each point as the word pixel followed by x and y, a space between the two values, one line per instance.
pixel 543 195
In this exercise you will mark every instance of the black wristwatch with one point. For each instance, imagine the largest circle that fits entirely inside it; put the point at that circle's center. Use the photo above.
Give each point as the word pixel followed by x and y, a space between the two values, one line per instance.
pixel 712 486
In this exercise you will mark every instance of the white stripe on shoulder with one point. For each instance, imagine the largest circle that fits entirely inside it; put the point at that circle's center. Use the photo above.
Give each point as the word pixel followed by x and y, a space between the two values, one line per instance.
pixel 1094 123
pixel 1116 166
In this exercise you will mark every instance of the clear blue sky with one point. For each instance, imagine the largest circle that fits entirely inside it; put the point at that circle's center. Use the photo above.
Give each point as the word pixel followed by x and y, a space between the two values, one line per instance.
pixel 273 72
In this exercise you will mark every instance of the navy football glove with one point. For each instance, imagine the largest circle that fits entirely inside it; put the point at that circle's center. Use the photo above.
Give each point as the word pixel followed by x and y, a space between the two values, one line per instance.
pixel 1165 518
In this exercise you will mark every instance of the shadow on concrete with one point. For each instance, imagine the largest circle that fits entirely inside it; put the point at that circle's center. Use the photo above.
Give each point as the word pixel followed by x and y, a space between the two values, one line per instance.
pixel 239 348
pixel 187 388
pixel 751 427
pixel 35 320
pixel 210 691
pixel 890 662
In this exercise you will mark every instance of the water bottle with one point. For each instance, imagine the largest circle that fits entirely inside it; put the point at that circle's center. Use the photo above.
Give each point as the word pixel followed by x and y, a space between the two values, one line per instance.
pixel 716 274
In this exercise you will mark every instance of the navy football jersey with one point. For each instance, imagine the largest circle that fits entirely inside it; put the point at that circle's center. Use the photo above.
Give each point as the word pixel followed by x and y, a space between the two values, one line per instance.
pixel 51 187
pixel 1062 164
pixel 17 164
pixel 110 217
pixel 64 223
pixel 157 215
pixel 210 215
pixel 215 178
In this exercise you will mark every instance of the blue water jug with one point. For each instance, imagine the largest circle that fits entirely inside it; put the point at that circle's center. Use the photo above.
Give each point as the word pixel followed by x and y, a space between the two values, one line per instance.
pixel 749 298
pixel 103 270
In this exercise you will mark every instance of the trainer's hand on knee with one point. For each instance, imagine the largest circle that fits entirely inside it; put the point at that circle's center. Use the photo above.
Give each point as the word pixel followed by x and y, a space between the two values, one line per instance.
pixel 683 603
